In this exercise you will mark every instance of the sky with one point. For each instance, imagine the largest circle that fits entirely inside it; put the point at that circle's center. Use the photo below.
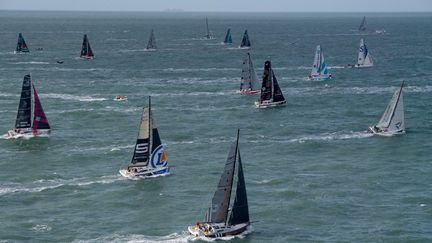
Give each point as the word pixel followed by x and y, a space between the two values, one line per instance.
pixel 223 5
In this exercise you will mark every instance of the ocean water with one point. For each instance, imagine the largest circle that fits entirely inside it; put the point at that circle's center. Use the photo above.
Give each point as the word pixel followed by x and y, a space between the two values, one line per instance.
pixel 313 174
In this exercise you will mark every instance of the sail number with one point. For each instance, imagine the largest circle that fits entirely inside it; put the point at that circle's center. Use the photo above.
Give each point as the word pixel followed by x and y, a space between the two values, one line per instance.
pixel 141 148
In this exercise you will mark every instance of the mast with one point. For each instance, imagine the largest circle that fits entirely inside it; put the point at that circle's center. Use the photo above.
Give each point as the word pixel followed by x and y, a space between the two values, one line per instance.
pixel 208 30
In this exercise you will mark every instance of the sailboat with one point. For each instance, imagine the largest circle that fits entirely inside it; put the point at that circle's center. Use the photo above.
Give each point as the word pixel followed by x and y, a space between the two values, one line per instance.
pixel 319 68
pixel 362 26
pixel 21 45
pixel 271 94
pixel 209 35
pixel 151 45
pixel 228 38
pixel 27 122
pixel 393 120
pixel 86 51
pixel 249 79
pixel 245 43
pixel 149 158
pixel 364 57
pixel 221 219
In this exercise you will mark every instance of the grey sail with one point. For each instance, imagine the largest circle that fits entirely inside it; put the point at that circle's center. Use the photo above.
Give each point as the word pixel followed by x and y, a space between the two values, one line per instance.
pixel 23 119
pixel 362 26
pixel 393 117
pixel 141 153
pixel 222 196
pixel 240 208
pixel 151 45
pixel 249 79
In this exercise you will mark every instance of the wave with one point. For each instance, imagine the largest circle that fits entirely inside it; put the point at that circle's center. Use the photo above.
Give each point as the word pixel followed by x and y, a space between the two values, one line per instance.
pixel 181 70
pixel 105 148
pixel 171 238
pixel 72 97
pixel 31 62
pixel 42 185
pixel 8 95
pixel 41 228
pixel 319 137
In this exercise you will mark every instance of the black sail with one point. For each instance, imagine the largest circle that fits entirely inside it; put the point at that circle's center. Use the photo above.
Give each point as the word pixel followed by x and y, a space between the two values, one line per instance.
pixel 240 208
pixel 21 44
pixel 266 86
pixel 277 92
pixel 245 41
pixel 23 119
pixel 222 196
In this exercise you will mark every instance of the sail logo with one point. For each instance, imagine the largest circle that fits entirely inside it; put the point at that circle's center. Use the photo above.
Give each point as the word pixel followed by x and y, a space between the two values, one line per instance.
pixel 158 157
pixel 398 125
pixel 141 148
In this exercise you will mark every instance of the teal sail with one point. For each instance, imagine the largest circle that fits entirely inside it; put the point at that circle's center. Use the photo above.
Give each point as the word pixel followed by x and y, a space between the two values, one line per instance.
pixel 228 38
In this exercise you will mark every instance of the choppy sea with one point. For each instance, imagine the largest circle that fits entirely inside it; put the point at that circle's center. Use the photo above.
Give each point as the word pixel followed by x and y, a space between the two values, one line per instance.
pixel 313 174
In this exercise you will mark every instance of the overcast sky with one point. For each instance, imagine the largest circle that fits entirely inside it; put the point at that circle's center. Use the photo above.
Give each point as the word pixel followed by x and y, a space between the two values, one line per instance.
pixel 224 5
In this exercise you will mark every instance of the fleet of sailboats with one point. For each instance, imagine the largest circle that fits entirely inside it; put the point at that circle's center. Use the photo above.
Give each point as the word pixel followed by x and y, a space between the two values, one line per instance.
pixel 151 45
pixel 319 67
pixel 223 219
pixel 249 79
pixel 86 51
pixel 29 122
pixel 21 46
pixel 393 120
pixel 149 158
pixel 271 94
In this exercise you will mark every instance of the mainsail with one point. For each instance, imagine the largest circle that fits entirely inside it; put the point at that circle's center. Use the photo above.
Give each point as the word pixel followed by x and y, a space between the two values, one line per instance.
pixel 362 26
pixel 208 32
pixel 393 118
pixel 86 51
pixel 364 57
pixel 151 45
pixel 23 119
pixel 245 41
pixel 319 66
pixel 240 208
pixel 270 90
pixel 40 121
pixel 228 38
pixel 249 79
pixel 221 199
pixel 21 44
pixel 141 153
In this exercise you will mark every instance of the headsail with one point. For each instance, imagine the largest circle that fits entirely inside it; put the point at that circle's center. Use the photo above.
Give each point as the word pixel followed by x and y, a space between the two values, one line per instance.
pixel 362 26
pixel 245 41
pixel 222 196
pixel 21 44
pixel 364 57
pixel 86 51
pixel 151 45
pixel 23 119
pixel 249 78
pixel 40 121
pixel 277 92
pixel 158 157
pixel 240 208
pixel 228 38
pixel 393 118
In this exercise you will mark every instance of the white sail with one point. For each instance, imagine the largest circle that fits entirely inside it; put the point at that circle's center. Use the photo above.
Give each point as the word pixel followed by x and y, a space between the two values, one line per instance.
pixel 249 78
pixel 393 119
pixel 364 57
pixel 319 70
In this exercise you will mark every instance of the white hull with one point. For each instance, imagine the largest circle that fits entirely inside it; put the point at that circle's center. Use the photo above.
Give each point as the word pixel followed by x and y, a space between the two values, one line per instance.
pixel 244 47
pixel 266 104
pixel 213 230
pixel 319 78
pixel 151 49
pixel 144 173
pixel 27 133
pixel 122 98
pixel 375 131
pixel 86 57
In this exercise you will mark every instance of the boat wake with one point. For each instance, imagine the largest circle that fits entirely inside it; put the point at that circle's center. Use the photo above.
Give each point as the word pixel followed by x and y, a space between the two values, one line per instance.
pixel 42 185
pixel 314 138
pixel 171 238
pixel 31 62
pixel 72 97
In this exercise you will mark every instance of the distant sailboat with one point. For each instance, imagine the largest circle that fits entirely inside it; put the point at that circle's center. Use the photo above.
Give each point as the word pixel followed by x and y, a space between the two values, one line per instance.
pixel 209 35
pixel 271 94
pixel 21 45
pixel 228 38
pixel 222 220
pixel 362 26
pixel 245 43
pixel 151 45
pixel 27 122
pixel 249 80
pixel 149 158
pixel 319 68
pixel 86 51
pixel 393 120
pixel 364 57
